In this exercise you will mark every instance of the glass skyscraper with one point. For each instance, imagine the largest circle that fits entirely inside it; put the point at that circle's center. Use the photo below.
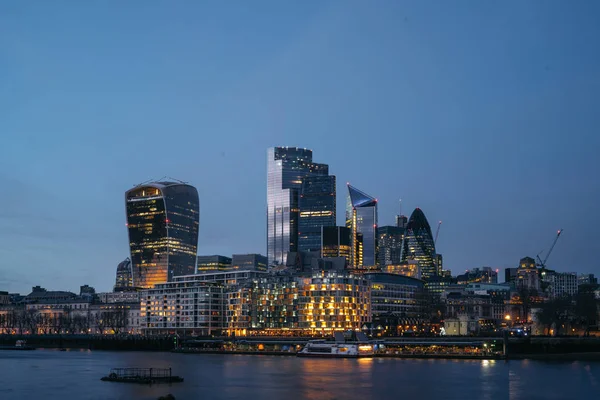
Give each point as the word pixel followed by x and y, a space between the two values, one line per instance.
pixel 286 168
pixel 124 279
pixel 389 245
pixel 418 244
pixel 361 218
pixel 317 209
pixel 335 242
pixel 162 221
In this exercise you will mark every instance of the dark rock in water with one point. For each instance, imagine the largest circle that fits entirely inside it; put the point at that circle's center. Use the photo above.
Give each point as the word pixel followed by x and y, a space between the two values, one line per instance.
pixel 167 397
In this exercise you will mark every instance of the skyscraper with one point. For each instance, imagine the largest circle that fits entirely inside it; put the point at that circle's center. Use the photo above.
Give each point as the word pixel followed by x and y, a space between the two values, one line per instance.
pixel 286 168
pixel 361 218
pixel 418 244
pixel 123 280
pixel 389 245
pixel 317 209
pixel 335 242
pixel 162 221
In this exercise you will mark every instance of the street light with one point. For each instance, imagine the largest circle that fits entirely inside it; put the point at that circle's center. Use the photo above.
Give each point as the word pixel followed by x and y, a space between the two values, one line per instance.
pixel 507 317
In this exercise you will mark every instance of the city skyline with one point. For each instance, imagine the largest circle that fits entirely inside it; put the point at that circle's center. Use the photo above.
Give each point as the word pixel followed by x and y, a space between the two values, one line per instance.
pixel 493 134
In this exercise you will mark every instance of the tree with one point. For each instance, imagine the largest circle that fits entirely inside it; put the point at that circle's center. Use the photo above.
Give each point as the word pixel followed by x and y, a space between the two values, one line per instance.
pixel 526 297
pixel 586 307
pixel 117 319
pixel 555 312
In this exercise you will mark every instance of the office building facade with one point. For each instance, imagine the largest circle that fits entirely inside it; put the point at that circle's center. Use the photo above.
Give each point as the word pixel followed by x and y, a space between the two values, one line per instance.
pixel 124 280
pixel 389 245
pixel 336 242
pixel 317 210
pixel 213 263
pixel 251 262
pixel 286 169
pixel 419 245
pixel 162 222
pixel 361 218
pixel 395 294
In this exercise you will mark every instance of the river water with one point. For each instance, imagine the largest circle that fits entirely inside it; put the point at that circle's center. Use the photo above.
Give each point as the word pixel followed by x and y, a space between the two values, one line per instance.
pixel 75 374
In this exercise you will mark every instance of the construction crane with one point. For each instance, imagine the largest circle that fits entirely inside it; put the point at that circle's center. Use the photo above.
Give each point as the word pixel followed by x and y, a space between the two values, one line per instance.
pixel 437 232
pixel 543 263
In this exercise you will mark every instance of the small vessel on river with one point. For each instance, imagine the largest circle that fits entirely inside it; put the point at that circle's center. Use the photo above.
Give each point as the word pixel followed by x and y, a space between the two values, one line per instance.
pixel 20 345
pixel 340 348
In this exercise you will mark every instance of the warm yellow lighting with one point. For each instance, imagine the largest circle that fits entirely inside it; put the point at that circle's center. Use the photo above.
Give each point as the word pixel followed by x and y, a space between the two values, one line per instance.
pixel 507 317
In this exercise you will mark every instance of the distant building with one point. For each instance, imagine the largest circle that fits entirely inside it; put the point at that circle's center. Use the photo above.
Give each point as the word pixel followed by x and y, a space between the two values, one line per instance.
pixel 40 294
pixel 389 245
pixel 213 263
pixel 361 218
pixel 124 279
pixel 528 275
pixel 317 210
pixel 438 284
pixel 510 275
pixel 408 268
pixel 438 263
pixel 587 279
pixel 286 169
pixel 254 262
pixel 300 262
pixel 87 292
pixel 4 298
pixel 395 294
pixel 162 221
pixel 401 221
pixel 478 275
pixel 336 242
pixel 560 284
pixel 120 297
pixel 418 244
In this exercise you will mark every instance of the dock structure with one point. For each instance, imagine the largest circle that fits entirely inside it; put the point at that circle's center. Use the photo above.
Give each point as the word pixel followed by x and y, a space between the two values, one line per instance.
pixel 142 375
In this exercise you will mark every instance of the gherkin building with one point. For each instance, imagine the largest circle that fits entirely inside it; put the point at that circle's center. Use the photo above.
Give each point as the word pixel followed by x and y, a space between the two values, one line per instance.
pixel 419 245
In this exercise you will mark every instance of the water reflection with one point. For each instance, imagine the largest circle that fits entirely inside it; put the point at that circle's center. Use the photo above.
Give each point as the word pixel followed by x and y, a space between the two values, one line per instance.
pixel 59 375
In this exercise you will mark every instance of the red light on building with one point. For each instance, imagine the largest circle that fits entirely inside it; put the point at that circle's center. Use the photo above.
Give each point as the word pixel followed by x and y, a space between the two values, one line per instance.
pixel 168 221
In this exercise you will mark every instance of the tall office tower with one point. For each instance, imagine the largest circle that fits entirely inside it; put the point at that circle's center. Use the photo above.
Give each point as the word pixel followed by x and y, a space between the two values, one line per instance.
pixel 361 218
pixel 401 221
pixel 123 280
pixel 389 245
pixel 317 209
pixel 162 220
pixel 286 168
pixel 418 244
pixel 335 242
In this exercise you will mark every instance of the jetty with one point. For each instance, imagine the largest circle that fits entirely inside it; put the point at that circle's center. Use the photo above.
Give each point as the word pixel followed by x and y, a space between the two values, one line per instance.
pixel 142 375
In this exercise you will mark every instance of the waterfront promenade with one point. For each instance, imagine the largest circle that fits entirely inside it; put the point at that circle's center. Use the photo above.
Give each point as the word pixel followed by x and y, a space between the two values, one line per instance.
pixel 407 347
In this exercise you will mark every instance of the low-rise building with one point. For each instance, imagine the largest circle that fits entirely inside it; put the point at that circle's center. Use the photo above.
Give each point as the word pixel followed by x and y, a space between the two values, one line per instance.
pixel 120 297
pixel 214 263
pixel 4 298
pixel 186 306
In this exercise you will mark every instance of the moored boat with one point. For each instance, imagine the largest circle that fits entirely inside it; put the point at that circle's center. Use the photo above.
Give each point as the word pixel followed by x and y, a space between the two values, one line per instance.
pixel 324 349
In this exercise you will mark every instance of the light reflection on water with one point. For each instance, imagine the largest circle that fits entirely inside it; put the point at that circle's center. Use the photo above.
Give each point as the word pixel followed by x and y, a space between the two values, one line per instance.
pixel 75 375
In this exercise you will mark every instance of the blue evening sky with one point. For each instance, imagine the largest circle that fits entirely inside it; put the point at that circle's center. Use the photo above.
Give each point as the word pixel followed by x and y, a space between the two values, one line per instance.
pixel 484 114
